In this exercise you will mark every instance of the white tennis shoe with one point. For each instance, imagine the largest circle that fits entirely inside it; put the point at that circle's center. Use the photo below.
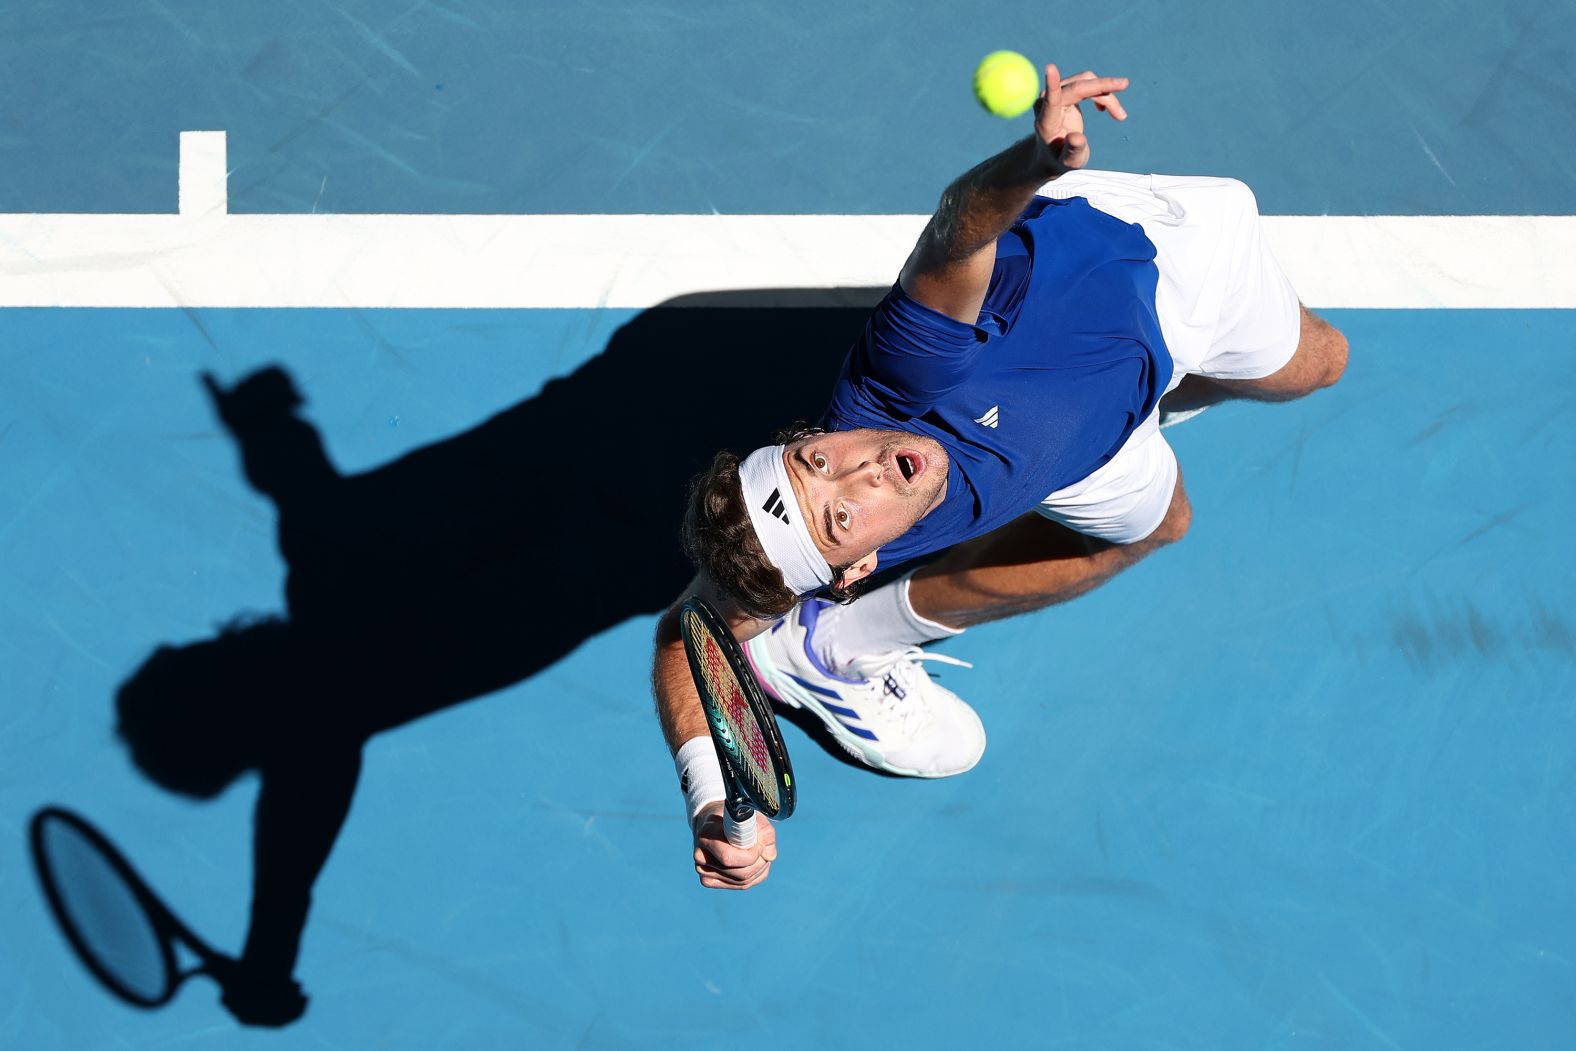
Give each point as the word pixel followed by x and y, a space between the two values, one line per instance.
pixel 892 716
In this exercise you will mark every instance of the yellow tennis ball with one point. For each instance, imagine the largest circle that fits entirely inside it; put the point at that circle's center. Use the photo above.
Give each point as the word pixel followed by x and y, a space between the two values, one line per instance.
pixel 1006 83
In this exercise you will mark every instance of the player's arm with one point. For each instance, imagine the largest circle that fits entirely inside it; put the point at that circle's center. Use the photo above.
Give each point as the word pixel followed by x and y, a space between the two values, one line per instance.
pixel 678 704
pixel 719 863
pixel 950 267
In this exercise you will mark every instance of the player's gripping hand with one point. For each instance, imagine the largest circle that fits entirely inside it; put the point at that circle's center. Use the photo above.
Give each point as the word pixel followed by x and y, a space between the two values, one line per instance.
pixel 723 866
pixel 1058 121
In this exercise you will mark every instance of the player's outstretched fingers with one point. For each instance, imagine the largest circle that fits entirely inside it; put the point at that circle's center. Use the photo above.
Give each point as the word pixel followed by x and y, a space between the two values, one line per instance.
pixel 1086 87
pixel 1107 103
pixel 1087 74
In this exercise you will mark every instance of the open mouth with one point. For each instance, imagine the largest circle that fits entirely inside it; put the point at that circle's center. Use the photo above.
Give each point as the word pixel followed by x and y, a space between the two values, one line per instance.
pixel 909 465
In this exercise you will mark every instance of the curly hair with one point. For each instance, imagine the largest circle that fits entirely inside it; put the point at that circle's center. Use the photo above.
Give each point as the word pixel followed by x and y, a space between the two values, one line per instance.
pixel 721 542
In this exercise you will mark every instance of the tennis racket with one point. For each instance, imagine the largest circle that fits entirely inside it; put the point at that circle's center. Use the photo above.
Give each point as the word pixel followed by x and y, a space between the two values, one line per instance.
pixel 755 769
pixel 118 928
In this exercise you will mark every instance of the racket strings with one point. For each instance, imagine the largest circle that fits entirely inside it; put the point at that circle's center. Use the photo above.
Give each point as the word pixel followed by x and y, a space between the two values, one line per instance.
pixel 98 904
pixel 752 755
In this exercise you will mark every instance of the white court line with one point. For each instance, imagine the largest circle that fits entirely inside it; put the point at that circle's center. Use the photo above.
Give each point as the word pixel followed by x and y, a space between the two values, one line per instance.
pixel 205 257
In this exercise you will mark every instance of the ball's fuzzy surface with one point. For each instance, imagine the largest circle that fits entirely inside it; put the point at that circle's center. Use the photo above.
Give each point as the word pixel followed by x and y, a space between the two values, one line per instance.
pixel 1006 83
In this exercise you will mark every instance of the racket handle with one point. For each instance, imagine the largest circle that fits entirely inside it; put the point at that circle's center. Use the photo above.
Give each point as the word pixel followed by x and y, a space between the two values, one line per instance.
pixel 740 833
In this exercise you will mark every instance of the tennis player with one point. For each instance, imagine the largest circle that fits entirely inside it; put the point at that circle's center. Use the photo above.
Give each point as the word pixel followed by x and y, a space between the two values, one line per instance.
pixel 1003 405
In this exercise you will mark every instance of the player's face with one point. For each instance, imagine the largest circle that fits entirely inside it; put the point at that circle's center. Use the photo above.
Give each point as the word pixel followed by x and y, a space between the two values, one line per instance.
pixel 861 489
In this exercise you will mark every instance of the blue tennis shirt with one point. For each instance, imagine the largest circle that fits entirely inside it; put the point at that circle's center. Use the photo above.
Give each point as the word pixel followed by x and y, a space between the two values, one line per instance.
pixel 1064 362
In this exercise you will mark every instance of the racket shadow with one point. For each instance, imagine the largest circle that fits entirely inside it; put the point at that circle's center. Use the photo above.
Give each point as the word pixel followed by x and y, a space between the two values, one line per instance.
pixel 126 936
pixel 448 573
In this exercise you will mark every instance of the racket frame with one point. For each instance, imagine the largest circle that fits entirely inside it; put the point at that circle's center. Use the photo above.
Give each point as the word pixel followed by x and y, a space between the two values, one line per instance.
pixel 167 929
pixel 741 803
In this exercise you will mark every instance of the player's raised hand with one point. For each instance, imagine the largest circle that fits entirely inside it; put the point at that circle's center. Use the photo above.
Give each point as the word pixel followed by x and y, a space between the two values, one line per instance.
pixel 723 866
pixel 1058 121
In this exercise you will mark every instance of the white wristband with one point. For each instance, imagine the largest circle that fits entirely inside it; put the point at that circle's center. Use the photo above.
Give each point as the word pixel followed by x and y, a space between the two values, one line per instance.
pixel 700 775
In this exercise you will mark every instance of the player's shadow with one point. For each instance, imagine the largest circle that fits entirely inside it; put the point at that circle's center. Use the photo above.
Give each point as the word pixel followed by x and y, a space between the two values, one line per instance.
pixel 458 569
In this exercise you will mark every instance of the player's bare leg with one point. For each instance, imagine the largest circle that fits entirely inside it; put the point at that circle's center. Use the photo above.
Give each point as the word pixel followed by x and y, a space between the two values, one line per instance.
pixel 1028 564
pixel 1318 362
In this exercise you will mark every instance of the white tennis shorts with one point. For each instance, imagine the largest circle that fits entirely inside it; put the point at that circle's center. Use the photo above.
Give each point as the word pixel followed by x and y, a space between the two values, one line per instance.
pixel 1226 310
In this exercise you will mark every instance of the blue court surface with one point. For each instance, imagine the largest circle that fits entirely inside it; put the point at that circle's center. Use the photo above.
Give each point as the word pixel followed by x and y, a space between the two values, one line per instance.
pixel 1305 779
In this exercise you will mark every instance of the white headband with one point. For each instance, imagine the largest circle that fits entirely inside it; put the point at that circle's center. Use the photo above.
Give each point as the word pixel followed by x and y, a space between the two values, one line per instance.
pixel 774 512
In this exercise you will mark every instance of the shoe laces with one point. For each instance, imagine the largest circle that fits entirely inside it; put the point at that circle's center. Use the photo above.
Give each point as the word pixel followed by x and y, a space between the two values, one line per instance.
pixel 903 666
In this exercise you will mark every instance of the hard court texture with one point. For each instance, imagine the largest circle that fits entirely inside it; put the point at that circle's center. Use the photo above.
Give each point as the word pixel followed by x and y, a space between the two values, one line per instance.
pixel 1305 779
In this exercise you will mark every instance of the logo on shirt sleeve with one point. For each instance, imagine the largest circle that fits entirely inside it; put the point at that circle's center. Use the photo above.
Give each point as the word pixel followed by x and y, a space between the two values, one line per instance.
pixel 991 418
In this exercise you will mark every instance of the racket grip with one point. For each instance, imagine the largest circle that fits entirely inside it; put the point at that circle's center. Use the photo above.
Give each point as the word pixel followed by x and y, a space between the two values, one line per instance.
pixel 740 833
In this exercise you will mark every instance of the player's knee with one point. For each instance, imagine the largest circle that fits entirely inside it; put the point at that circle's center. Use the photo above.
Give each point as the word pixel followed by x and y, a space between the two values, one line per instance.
pixel 1337 351
pixel 1179 516
pixel 1324 351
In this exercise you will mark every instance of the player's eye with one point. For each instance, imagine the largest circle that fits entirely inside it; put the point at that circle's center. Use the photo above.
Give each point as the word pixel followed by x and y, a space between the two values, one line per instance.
pixel 819 461
pixel 842 517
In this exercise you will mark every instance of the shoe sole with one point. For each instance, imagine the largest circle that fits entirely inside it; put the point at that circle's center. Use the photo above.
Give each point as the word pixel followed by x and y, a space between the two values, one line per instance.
pixel 1171 419
pixel 865 753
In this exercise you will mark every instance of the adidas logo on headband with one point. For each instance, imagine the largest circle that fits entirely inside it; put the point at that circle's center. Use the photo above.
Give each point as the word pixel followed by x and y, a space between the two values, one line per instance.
pixel 787 543
pixel 774 506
